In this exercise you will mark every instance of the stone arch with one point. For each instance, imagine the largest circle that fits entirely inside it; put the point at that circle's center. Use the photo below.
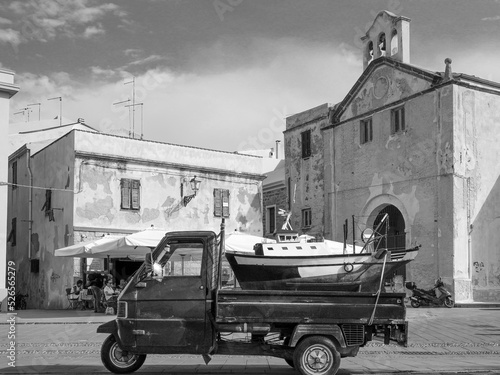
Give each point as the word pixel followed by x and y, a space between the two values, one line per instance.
pixel 381 44
pixel 394 43
pixel 369 52
pixel 375 205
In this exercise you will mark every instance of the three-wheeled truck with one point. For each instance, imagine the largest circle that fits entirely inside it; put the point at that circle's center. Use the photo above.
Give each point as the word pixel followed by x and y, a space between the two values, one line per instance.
pixel 174 305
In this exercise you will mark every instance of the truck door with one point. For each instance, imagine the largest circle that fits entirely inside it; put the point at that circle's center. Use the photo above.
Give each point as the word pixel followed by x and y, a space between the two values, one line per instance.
pixel 174 300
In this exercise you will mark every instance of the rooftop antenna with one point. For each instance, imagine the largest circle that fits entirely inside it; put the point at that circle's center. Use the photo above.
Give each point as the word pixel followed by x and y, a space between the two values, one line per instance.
pixel 142 117
pixel 60 108
pixel 133 103
pixel 39 106
pixel 24 111
pixel 125 101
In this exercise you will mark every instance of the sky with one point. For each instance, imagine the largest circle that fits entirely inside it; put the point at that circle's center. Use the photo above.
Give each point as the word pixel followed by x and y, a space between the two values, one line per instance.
pixel 217 74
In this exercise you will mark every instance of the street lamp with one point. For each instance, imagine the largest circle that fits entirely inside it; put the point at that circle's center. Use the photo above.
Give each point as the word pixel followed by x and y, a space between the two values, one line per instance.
pixel 195 186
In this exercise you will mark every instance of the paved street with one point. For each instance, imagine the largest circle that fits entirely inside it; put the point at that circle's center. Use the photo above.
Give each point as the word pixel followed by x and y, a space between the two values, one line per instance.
pixel 460 340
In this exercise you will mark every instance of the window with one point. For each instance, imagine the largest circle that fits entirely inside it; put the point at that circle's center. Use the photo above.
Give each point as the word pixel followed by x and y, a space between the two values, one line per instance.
pixel 289 191
pixel 271 219
pixel 14 175
pixel 398 120
pixel 306 143
pixel 365 131
pixel 306 217
pixel 12 234
pixel 221 202
pixel 131 194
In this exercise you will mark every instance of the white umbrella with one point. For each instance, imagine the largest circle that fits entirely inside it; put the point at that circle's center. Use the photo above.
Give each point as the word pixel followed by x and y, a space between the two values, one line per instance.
pixel 83 249
pixel 134 245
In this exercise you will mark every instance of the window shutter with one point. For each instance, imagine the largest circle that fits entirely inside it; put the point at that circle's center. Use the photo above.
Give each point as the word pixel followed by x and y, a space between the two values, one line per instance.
pixel 217 203
pixel 136 195
pixel 125 187
pixel 225 203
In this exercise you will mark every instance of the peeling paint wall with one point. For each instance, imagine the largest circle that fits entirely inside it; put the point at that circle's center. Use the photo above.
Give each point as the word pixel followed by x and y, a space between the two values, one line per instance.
pixel 306 174
pixel 98 202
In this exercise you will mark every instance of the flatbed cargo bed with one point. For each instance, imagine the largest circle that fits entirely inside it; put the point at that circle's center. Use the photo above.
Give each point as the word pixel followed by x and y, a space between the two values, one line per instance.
pixel 284 306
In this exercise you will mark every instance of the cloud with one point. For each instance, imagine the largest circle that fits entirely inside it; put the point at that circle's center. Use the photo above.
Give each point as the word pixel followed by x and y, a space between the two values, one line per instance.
pixel 5 21
pixel 146 60
pixel 495 18
pixel 9 36
pixel 91 31
pixel 241 107
pixel 46 20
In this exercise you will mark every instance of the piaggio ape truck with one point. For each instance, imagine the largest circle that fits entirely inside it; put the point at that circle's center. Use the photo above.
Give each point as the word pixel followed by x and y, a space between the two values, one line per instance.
pixel 174 304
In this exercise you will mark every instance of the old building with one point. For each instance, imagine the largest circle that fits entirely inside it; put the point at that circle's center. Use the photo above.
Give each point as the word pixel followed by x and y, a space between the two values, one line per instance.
pixel 417 144
pixel 274 200
pixel 85 184
pixel 7 90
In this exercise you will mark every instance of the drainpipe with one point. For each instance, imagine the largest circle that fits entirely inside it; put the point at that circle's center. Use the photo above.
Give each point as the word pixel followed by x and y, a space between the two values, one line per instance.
pixel 30 203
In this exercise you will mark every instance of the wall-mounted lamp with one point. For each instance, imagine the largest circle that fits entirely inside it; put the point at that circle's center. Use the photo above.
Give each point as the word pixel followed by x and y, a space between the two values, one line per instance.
pixel 195 186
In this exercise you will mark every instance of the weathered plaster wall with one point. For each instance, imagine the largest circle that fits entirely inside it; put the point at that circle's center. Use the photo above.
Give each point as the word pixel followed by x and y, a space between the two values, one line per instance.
pixel 410 170
pixel 477 183
pixel 52 169
pixel 162 169
pixel 306 174
pixel 97 204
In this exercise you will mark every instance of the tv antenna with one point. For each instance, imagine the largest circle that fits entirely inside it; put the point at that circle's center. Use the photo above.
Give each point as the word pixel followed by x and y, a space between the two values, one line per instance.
pixel 39 106
pixel 24 111
pixel 142 117
pixel 133 103
pixel 60 108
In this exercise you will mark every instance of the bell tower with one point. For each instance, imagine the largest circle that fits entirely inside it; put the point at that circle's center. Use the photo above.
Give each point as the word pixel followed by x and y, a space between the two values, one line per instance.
pixel 388 36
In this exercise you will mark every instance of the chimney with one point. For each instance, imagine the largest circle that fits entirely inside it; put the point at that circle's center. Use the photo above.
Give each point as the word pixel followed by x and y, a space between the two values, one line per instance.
pixel 388 36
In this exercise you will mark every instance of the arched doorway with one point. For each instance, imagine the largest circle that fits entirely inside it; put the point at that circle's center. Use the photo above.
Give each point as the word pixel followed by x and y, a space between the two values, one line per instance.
pixel 395 230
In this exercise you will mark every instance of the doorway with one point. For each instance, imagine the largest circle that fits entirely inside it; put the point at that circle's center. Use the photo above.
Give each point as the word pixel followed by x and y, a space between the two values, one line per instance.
pixel 395 229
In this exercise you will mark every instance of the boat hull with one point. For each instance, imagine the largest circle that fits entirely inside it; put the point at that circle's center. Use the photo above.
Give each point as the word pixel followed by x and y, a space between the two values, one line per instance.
pixel 358 272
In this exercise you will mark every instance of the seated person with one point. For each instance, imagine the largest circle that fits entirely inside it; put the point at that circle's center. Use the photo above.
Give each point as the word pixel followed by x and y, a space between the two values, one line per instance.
pixel 75 290
pixel 97 292
pixel 110 294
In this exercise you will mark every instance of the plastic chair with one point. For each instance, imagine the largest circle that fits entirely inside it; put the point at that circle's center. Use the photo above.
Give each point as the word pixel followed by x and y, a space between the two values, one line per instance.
pixel 73 300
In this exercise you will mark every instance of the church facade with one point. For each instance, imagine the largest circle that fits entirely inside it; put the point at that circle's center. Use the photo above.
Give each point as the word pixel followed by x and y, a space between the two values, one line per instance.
pixel 419 145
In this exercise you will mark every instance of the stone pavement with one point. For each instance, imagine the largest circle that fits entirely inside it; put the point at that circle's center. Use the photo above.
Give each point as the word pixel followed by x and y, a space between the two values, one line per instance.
pixel 460 340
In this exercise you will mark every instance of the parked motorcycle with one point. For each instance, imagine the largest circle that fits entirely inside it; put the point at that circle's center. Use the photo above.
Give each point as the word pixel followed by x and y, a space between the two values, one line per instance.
pixel 438 295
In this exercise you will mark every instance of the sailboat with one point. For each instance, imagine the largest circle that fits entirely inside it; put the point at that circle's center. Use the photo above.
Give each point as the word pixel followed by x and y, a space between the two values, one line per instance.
pixel 293 262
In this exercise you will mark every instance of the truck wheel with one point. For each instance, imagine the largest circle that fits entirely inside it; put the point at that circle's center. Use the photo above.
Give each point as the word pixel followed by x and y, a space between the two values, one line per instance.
pixel 316 355
pixel 415 304
pixel 117 360
pixel 448 302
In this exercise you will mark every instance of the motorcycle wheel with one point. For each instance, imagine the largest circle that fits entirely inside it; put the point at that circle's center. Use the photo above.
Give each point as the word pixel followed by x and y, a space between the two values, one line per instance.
pixel 449 303
pixel 415 304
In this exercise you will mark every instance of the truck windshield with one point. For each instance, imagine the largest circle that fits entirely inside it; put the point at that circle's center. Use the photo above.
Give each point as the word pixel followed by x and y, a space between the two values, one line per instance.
pixel 178 259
